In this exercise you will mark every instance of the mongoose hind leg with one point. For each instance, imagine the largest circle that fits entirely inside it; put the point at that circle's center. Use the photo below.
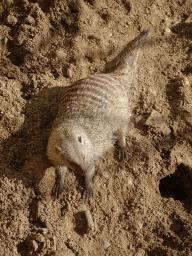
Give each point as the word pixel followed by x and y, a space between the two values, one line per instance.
pixel 59 182
pixel 88 187
pixel 121 141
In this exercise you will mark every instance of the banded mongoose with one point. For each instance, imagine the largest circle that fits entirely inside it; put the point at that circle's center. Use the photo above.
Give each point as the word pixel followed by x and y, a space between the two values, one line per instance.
pixel 93 114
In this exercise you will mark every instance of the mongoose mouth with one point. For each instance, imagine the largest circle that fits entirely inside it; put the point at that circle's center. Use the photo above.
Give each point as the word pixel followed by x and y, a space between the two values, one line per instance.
pixel 77 168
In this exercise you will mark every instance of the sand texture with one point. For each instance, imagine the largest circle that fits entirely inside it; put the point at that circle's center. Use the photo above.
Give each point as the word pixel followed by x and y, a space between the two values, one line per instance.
pixel 142 206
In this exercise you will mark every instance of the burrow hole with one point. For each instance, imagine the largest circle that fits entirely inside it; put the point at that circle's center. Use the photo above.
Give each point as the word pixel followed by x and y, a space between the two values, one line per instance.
pixel 178 185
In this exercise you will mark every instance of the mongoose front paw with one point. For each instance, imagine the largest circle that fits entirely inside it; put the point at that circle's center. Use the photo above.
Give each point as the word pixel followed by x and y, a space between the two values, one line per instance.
pixel 88 192
pixel 58 188
pixel 122 153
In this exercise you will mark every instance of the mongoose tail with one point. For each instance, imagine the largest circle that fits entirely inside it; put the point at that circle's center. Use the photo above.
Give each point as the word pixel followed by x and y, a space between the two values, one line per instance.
pixel 126 60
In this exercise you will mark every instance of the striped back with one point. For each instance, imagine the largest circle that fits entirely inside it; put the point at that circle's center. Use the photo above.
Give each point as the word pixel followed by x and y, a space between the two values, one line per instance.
pixel 90 96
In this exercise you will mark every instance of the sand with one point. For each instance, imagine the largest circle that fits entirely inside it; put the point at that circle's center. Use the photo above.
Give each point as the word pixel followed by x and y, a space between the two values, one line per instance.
pixel 142 206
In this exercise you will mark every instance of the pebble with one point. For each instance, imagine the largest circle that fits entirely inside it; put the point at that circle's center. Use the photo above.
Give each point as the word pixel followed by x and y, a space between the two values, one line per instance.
pixel 106 245
pixel 130 181
pixel 40 238
pixel 44 231
pixel 96 179
pixel 146 154
pixel 146 141
pixel 185 81
pixel 30 20
pixel 11 20
pixel 2 216
pixel 53 28
pixel 156 120
pixel 140 252
pixel 138 225
pixel 167 31
pixel 61 54
pixel 189 10
pixel 105 174
pixel 34 245
pixel 54 244
pixel 69 72
pixel 89 219
pixel 73 246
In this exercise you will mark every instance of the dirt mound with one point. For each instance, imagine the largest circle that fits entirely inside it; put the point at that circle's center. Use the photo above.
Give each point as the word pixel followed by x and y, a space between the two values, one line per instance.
pixel 141 206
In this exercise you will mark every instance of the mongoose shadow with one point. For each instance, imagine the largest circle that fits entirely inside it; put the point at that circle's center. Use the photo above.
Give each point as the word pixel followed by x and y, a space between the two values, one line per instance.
pixel 24 154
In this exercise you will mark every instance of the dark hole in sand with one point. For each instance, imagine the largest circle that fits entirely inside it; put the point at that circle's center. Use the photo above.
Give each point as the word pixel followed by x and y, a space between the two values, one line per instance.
pixel 177 185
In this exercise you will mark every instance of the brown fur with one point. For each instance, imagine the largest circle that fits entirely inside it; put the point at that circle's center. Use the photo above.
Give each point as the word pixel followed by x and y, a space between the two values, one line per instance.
pixel 94 112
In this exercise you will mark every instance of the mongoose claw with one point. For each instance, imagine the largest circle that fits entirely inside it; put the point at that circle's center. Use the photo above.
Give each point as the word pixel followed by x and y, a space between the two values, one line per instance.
pixel 88 192
pixel 122 153
pixel 58 188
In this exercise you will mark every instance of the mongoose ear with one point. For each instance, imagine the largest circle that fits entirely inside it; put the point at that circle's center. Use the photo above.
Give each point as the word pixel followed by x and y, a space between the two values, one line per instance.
pixel 79 139
pixel 58 149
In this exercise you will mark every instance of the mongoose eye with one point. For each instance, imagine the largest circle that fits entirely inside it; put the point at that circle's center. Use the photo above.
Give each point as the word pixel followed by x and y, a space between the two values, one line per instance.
pixel 59 150
pixel 79 139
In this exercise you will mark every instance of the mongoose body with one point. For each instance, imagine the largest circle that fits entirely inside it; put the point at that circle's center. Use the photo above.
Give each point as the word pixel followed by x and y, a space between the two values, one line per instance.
pixel 94 113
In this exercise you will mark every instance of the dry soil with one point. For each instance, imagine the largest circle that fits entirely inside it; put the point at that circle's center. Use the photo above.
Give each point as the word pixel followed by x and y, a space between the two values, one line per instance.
pixel 142 206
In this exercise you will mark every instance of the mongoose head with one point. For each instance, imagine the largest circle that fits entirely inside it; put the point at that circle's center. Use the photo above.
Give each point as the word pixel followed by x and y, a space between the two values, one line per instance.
pixel 75 150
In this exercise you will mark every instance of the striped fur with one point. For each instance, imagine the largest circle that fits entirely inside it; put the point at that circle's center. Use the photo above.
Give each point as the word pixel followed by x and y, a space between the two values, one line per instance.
pixel 93 111
pixel 95 94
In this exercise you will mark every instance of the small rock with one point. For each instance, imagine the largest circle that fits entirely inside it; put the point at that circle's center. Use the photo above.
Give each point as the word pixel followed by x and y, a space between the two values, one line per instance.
pixel 54 244
pixel 105 174
pixel 61 54
pixel 34 245
pixel 140 252
pixel 190 217
pixel 138 224
pixel 146 141
pixel 69 72
pixel 44 231
pixel 106 245
pixel 185 81
pixel 95 179
pixel 160 240
pixel 146 155
pixel 17 86
pixel 136 210
pixel 89 219
pixel 189 10
pixel 11 20
pixel 130 181
pixel 2 216
pixel 73 246
pixel 25 2
pixel 130 253
pixel 155 120
pixel 30 20
pixel 68 207
pixel 167 31
pixel 40 238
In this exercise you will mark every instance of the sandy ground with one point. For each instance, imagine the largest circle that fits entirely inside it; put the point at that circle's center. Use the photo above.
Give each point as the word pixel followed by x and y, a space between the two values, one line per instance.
pixel 141 206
